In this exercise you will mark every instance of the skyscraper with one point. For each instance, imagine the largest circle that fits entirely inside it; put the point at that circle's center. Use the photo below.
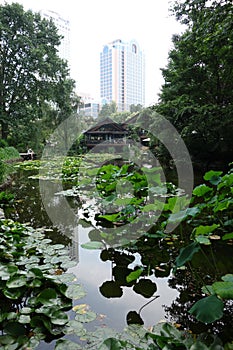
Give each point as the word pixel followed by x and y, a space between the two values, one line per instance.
pixel 122 74
pixel 63 26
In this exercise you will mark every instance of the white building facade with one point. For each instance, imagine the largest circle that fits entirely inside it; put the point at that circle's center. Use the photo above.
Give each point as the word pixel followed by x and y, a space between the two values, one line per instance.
pixel 63 26
pixel 122 74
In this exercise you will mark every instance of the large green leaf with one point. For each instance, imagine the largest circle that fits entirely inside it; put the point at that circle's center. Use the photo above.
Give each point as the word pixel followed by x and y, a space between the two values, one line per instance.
pixel 205 229
pixel 59 317
pixel 208 309
pixel 13 293
pixel 213 177
pixel 223 289
pixel 201 190
pixel 47 297
pixel 16 281
pixel 187 253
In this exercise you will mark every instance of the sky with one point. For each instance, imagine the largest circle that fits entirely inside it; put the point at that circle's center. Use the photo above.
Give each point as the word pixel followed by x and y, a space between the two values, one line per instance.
pixel 95 23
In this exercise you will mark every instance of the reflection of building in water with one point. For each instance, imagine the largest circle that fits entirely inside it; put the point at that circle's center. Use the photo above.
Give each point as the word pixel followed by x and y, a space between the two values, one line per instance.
pixel 74 247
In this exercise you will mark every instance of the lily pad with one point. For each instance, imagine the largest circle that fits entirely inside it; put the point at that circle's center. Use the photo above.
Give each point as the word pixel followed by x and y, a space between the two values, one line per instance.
pixel 75 291
pixel 92 245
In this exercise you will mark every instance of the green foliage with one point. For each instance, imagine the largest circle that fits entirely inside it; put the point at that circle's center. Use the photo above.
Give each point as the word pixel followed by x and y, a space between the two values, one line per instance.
pixel 9 153
pixel 196 96
pixel 108 109
pixel 2 171
pixel 208 309
pixel 6 199
pixel 34 81
pixel 34 293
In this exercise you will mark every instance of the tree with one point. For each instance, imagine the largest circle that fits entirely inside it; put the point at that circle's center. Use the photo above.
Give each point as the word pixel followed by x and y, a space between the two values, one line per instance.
pixel 32 76
pixel 108 109
pixel 136 108
pixel 197 93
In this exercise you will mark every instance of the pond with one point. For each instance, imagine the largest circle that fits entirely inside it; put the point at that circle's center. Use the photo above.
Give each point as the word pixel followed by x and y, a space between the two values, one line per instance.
pixel 91 271
pixel 103 272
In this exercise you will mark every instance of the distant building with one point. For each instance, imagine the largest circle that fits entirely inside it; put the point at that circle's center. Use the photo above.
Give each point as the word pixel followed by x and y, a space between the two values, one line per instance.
pixel 63 26
pixel 108 133
pixel 88 106
pixel 122 74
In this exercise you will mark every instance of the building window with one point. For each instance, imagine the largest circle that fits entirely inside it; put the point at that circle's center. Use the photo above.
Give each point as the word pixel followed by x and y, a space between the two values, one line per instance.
pixel 134 48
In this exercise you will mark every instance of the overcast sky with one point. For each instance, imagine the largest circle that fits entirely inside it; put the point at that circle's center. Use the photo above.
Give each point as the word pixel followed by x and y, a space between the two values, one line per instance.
pixel 97 22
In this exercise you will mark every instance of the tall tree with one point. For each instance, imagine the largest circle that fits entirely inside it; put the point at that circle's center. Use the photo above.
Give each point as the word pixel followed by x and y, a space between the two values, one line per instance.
pixel 197 95
pixel 31 71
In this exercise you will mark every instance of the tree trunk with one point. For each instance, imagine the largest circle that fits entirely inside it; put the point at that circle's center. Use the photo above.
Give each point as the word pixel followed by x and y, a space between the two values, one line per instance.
pixel 4 130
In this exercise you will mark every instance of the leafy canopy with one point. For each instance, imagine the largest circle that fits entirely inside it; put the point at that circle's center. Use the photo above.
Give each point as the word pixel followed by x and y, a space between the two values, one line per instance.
pixel 32 75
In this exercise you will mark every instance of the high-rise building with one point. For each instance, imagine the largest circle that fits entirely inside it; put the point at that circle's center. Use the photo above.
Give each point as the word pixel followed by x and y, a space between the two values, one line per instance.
pixel 63 26
pixel 88 106
pixel 122 74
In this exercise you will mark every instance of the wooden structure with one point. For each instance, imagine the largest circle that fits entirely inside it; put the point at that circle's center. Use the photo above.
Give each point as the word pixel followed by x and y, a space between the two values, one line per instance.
pixel 108 132
pixel 27 156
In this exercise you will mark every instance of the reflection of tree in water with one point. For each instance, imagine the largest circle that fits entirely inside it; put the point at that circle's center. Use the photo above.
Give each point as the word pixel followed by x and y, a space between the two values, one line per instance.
pixel 155 261
pixel 28 206
pixel 190 292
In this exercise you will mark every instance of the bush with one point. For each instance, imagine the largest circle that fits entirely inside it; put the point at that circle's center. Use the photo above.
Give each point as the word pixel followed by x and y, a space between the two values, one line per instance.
pixel 9 153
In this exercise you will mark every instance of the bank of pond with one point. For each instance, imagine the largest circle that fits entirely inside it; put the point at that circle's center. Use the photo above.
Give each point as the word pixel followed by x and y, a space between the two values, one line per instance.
pixel 104 254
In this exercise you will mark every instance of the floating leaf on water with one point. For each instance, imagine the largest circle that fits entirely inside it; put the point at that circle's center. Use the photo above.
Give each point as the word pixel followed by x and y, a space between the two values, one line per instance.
pixel 59 317
pixel 16 281
pixel 86 317
pixel 93 245
pixel 67 345
pixel 24 319
pixel 134 275
pixel 75 291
